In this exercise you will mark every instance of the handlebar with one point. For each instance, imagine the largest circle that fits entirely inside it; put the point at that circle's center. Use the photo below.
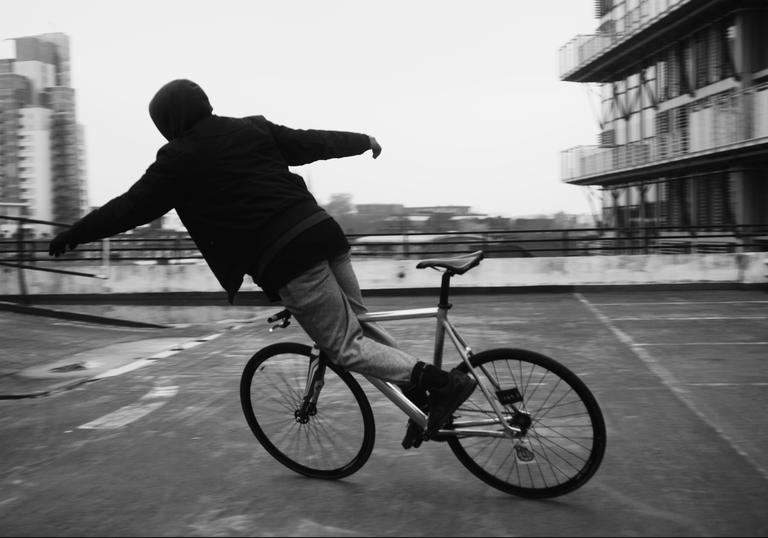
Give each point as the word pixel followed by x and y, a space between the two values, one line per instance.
pixel 282 320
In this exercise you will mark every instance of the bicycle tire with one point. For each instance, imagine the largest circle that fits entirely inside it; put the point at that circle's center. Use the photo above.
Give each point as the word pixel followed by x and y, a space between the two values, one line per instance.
pixel 335 442
pixel 566 438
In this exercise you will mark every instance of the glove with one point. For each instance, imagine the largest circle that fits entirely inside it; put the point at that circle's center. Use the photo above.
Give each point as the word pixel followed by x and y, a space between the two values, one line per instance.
pixel 60 244
pixel 375 146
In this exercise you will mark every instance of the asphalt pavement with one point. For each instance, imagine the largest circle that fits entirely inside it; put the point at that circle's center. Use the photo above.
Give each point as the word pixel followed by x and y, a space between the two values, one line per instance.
pixel 125 421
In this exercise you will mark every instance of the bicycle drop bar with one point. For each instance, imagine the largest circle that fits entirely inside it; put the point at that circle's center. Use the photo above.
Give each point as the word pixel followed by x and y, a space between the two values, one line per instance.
pixel 283 317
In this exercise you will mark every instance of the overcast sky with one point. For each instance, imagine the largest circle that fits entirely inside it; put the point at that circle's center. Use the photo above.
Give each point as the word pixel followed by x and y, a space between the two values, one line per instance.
pixel 464 97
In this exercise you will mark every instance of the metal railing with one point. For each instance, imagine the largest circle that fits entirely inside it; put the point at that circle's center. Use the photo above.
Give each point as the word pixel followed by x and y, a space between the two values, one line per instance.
pixel 583 49
pixel 718 123
pixel 32 253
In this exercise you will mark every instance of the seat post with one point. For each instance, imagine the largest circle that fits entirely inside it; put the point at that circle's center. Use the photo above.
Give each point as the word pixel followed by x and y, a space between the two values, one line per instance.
pixel 445 287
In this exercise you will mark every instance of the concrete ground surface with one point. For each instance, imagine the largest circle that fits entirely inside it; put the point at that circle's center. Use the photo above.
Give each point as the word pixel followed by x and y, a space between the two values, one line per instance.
pixel 109 430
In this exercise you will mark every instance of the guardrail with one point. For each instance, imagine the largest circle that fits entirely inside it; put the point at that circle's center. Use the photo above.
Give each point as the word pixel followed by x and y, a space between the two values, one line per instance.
pixel 141 247
pixel 583 49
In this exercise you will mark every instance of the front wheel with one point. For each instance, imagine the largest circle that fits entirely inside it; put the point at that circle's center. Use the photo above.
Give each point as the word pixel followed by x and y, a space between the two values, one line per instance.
pixel 563 431
pixel 331 440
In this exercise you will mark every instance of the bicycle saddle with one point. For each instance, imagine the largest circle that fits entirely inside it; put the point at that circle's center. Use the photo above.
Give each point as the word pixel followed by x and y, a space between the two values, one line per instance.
pixel 457 265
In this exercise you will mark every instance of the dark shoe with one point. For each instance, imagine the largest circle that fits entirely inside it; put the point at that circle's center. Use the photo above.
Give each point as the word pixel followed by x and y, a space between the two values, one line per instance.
pixel 413 436
pixel 417 396
pixel 445 400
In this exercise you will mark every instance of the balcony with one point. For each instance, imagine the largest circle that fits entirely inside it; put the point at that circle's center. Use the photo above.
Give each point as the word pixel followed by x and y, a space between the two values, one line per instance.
pixel 638 33
pixel 707 131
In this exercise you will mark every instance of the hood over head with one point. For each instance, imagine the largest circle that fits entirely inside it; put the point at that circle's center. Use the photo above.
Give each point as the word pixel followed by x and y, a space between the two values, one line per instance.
pixel 177 106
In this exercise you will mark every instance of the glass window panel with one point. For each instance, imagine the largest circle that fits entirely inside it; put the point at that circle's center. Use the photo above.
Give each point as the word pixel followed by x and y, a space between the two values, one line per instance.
pixel 701 59
pixel 621 132
pixel 762 38
pixel 662 81
pixel 649 122
pixel 673 65
pixel 634 127
pixel 715 55
pixel 729 48
pixel 688 67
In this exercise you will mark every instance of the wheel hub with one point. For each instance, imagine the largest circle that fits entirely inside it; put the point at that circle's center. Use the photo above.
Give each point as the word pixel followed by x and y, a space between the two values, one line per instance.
pixel 522 421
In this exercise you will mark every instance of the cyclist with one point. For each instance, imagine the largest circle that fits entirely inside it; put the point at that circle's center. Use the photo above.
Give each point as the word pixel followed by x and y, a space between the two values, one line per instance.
pixel 230 183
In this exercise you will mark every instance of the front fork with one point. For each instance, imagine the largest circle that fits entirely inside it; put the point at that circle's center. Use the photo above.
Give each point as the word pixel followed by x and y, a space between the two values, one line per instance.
pixel 315 382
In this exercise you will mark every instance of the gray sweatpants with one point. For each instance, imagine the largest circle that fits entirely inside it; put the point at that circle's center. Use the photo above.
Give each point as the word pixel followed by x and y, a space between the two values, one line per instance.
pixel 326 301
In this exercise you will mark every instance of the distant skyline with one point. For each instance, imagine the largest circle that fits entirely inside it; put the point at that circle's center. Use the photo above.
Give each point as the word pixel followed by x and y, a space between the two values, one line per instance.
pixel 465 98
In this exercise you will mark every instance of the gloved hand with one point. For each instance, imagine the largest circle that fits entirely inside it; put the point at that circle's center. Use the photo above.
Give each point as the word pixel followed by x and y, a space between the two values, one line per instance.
pixel 375 146
pixel 60 244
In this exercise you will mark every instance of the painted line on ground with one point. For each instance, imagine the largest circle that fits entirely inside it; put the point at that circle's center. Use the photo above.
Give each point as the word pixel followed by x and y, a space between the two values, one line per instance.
pixel 153 400
pixel 688 318
pixel 668 379
pixel 727 384
pixel 146 361
pixel 688 303
pixel 701 344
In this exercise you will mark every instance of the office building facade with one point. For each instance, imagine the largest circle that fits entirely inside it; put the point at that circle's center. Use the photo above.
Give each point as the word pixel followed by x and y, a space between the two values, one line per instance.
pixel 42 171
pixel 682 92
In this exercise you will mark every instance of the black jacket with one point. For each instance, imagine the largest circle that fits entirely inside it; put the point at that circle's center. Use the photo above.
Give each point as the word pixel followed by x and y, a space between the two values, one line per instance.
pixel 229 181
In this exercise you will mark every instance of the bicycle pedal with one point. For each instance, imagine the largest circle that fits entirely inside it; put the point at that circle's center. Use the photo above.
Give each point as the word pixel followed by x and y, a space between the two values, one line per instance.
pixel 524 455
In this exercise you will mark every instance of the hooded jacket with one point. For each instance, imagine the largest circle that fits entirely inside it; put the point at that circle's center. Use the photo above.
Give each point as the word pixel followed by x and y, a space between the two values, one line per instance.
pixel 229 181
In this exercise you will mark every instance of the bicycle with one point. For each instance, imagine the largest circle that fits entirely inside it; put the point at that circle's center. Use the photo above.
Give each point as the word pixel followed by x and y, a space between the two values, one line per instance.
pixel 532 428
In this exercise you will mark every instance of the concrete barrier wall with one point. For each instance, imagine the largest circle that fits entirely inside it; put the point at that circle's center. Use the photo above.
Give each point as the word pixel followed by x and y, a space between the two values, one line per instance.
pixel 746 268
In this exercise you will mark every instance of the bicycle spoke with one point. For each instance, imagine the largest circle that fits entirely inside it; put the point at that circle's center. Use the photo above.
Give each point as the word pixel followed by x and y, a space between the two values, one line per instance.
pixel 557 450
pixel 331 439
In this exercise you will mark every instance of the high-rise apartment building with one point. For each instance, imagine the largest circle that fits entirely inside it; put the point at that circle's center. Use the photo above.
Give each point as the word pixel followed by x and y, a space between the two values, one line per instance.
pixel 682 87
pixel 41 145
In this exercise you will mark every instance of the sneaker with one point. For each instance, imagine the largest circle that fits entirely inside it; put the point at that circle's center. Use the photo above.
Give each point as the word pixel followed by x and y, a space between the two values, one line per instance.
pixel 445 400
pixel 414 435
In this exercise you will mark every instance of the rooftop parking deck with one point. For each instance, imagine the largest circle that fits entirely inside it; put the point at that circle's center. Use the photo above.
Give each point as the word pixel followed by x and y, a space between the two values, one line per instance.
pixel 680 375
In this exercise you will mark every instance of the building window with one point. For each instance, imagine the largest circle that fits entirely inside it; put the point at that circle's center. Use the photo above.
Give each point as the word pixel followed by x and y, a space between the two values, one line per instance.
pixel 702 61
pixel 762 44
pixel 713 201
pixel 634 127
pixel 687 67
pixel 662 78
pixel 659 202
pixel 675 73
pixel 649 122
pixel 603 7
pixel 728 39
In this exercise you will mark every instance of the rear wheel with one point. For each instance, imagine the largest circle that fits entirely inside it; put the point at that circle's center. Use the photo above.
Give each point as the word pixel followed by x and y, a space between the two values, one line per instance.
pixel 333 439
pixel 564 434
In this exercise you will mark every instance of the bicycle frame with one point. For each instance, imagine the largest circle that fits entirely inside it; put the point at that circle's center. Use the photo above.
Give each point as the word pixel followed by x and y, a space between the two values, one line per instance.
pixel 444 326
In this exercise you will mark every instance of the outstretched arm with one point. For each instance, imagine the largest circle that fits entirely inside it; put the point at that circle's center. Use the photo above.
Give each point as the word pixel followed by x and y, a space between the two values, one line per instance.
pixel 148 199
pixel 303 146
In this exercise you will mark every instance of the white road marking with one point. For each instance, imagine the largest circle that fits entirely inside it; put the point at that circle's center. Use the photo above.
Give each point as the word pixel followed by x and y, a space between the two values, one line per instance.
pixel 688 303
pixel 701 344
pixel 163 354
pixel 140 363
pixel 208 338
pixel 131 366
pixel 667 378
pixel 727 384
pixel 154 399
pixel 688 318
